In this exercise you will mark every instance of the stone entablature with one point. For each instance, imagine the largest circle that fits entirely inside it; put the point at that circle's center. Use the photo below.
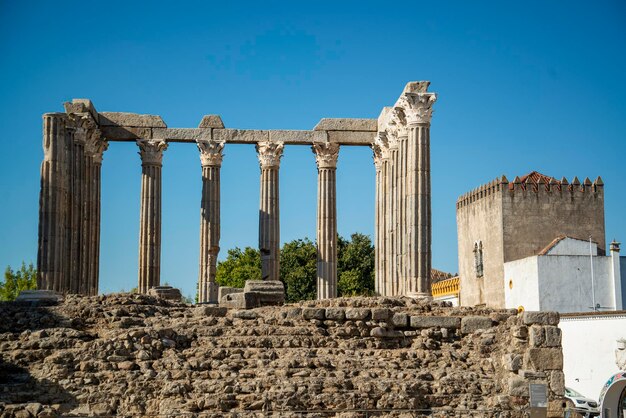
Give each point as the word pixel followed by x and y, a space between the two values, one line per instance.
pixel 70 195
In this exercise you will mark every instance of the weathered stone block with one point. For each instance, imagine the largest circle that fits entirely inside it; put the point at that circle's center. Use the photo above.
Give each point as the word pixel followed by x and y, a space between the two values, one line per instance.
pixel 512 362
pixel 557 382
pixel 518 386
pixel 537 336
pixel 356 314
pixel 217 311
pixel 470 324
pixel 42 297
pixel 382 332
pixel 245 315
pixel 400 320
pixel 313 313
pixel 242 300
pixel 345 124
pixel 211 121
pixel 270 292
pixel 335 314
pixel 520 332
pixel 165 292
pixel 544 358
pixel 553 336
pixel 532 374
pixel 380 314
pixel 131 119
pixel 225 290
pixel 435 322
pixel 541 318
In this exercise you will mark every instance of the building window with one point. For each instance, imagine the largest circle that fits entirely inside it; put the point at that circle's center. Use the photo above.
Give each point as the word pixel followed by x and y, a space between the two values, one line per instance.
pixel 478 258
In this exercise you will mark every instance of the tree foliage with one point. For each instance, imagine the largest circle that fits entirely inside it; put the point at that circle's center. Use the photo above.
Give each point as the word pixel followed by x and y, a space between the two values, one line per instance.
pixel 15 281
pixel 238 267
pixel 298 267
pixel 355 266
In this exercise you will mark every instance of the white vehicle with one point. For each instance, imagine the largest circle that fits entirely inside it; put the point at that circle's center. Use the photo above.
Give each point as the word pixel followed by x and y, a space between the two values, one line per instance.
pixel 584 406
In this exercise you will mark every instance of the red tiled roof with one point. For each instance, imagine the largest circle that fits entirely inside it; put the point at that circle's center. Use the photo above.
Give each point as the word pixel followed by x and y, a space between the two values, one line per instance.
pixel 438 275
pixel 534 177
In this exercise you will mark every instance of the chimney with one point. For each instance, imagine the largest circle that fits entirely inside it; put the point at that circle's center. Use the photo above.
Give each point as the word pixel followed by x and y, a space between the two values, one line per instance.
pixel 616 276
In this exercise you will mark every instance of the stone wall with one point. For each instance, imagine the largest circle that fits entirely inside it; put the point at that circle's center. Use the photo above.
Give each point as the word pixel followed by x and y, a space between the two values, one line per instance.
pixel 481 221
pixel 131 355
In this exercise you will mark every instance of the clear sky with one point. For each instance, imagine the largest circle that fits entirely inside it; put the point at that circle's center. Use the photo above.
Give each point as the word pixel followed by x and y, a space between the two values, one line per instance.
pixel 534 85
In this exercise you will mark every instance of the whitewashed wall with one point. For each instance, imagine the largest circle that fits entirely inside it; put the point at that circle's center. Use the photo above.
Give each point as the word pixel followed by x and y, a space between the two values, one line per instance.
pixel 521 287
pixel 589 343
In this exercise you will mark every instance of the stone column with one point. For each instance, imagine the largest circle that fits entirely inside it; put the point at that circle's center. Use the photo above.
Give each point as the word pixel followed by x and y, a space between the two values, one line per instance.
pixel 326 158
pixel 211 160
pixel 77 188
pixel 398 127
pixel 417 106
pixel 151 152
pixel 94 148
pixel 269 154
pixel 380 162
pixel 392 227
pixel 51 242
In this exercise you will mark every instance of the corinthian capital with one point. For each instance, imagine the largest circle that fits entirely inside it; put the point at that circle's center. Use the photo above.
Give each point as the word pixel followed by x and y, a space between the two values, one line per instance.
pixel 326 154
pixel 418 107
pixel 95 146
pixel 151 151
pixel 210 152
pixel 380 147
pixel 269 153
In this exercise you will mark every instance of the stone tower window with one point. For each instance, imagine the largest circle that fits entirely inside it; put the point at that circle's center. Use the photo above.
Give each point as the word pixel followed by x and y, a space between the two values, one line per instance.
pixel 478 258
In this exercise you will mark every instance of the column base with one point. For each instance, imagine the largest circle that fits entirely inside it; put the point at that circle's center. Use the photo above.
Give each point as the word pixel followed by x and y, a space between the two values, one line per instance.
pixel 213 289
pixel 420 295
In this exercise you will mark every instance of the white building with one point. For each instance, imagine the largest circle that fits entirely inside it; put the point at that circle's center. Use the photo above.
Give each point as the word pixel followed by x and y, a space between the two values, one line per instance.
pixel 566 276
pixel 590 344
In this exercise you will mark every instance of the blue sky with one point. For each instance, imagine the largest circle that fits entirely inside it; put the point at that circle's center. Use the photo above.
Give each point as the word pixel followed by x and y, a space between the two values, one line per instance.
pixel 528 86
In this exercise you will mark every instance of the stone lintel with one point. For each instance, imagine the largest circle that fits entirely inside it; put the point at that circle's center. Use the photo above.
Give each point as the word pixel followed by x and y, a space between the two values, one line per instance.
pixel 211 121
pixel 238 136
pixel 352 137
pixel 134 120
pixel 124 133
pixel 182 134
pixel 346 124
pixel 297 137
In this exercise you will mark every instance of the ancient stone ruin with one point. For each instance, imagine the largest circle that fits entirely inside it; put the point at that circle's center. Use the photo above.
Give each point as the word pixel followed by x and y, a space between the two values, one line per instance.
pixel 138 355
pixel 69 217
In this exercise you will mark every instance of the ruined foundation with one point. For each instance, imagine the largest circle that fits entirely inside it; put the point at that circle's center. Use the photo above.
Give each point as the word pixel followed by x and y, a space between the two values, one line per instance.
pixel 137 355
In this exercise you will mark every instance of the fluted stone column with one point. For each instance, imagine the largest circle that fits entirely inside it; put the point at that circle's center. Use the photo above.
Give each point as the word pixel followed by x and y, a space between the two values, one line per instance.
pixel 269 154
pixel 417 105
pixel 77 203
pixel 151 152
pixel 211 160
pixel 392 226
pixel 52 217
pixel 381 163
pixel 326 158
pixel 402 235
pixel 94 149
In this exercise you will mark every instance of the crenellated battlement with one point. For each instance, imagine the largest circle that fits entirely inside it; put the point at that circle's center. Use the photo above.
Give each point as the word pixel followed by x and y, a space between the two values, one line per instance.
pixel 533 183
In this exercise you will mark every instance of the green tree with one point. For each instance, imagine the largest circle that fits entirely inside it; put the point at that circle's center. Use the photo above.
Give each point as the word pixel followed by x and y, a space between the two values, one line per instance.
pixel 238 267
pixel 355 266
pixel 298 269
pixel 15 281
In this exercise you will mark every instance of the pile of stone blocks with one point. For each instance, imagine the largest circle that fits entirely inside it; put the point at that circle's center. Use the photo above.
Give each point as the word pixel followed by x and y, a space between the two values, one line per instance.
pixel 256 293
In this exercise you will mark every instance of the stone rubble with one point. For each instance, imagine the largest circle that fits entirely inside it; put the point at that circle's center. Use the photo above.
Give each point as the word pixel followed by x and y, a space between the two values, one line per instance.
pixel 138 355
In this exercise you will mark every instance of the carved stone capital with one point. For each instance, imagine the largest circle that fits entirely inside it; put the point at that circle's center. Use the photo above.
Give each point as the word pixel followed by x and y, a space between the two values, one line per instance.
pixel 326 154
pixel 95 146
pixel 151 151
pixel 269 153
pixel 210 152
pixel 380 147
pixel 418 107
pixel 80 135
